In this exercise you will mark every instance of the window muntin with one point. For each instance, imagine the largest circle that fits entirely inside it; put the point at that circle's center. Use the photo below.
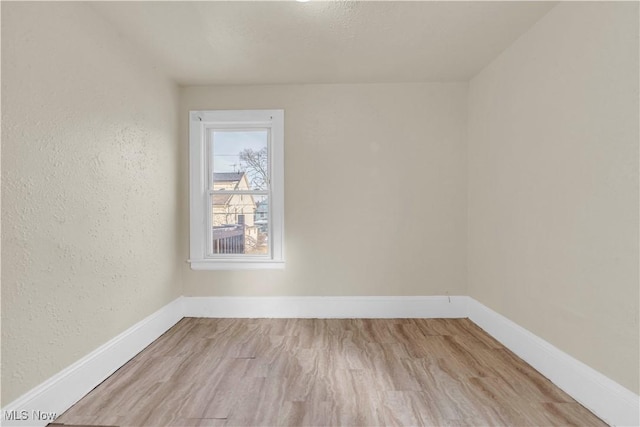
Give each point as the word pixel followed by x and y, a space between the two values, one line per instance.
pixel 236 160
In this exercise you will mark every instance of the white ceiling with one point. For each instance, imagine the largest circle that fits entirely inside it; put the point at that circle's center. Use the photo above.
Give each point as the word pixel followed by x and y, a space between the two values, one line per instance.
pixel 321 42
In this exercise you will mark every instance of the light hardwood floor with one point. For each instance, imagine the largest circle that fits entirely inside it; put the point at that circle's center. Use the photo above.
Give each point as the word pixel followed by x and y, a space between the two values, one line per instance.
pixel 338 372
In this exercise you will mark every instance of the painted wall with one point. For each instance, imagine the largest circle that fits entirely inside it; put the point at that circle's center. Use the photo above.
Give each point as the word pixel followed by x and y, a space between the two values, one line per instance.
pixel 375 189
pixel 553 184
pixel 89 173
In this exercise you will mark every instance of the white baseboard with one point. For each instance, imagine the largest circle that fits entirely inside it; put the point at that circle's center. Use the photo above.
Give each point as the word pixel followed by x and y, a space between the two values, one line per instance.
pixel 64 389
pixel 610 401
pixel 328 307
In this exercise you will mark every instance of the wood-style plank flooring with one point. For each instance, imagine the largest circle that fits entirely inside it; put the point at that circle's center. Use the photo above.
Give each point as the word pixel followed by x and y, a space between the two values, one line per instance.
pixel 326 372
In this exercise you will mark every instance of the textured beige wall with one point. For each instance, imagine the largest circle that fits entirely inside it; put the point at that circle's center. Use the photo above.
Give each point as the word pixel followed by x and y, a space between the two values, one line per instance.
pixel 88 189
pixel 375 189
pixel 553 184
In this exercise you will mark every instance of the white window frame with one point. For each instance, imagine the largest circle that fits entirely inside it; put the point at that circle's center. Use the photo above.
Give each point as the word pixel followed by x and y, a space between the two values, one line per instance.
pixel 200 124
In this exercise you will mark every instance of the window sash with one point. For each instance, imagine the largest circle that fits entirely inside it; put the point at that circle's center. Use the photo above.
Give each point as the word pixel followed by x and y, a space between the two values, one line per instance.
pixel 210 254
pixel 256 126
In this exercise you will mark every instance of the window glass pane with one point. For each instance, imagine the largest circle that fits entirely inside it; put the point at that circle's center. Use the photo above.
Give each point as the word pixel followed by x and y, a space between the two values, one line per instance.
pixel 240 159
pixel 240 224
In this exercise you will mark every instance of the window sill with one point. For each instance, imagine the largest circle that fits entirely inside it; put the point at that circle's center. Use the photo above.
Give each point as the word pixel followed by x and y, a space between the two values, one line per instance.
pixel 236 265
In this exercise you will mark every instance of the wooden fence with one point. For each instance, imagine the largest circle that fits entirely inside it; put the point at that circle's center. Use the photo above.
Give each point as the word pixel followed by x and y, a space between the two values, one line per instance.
pixel 228 239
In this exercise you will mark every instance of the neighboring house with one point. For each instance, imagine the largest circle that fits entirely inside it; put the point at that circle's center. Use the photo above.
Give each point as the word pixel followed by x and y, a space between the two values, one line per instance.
pixel 232 208
pixel 262 215
pixel 233 215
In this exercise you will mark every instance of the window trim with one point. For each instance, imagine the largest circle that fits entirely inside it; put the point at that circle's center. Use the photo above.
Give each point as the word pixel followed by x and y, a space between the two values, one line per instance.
pixel 199 123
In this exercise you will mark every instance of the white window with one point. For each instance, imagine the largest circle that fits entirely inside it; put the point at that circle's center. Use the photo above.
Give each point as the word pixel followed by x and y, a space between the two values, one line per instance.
pixel 236 160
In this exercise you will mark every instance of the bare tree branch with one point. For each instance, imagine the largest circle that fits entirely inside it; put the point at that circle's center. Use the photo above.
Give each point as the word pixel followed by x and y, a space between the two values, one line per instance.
pixel 255 165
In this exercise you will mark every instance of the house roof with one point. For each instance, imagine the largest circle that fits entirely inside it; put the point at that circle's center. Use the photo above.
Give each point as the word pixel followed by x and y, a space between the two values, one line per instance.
pixel 221 199
pixel 227 176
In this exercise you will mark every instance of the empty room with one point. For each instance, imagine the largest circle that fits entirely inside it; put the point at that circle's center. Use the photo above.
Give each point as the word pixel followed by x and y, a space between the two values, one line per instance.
pixel 320 213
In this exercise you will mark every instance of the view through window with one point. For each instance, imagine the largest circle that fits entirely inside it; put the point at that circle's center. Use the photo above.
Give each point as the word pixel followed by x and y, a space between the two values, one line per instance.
pixel 239 191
